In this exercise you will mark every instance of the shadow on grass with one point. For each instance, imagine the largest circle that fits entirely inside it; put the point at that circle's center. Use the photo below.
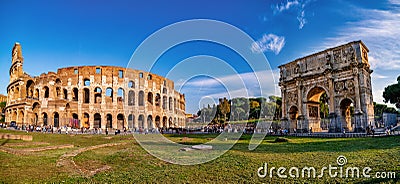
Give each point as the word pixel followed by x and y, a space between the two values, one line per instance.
pixel 300 144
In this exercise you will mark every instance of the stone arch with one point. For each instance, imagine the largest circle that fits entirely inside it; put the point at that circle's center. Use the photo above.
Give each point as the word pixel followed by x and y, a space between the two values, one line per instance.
pixel 46 92
pixel 86 95
pixel 293 116
pixel 158 122
pixel 17 92
pixel 37 93
pixel 65 92
pixel 97 120
pixel 74 121
pixel 131 98
pixel 29 88
pixel 346 114
pixel 131 84
pixel 97 95
pixel 121 95
pixel 56 119
pixel 75 94
pixel 150 97
pixel 165 121
pixel 315 123
pixel 109 95
pixel 45 119
pixel 86 82
pixel 21 119
pixel 141 121
pixel 141 98
pixel 170 103
pixel 109 121
pixel 85 121
pixel 171 123
pixel 120 121
pixel 150 122
pixel 131 121
pixel 165 102
pixel 157 99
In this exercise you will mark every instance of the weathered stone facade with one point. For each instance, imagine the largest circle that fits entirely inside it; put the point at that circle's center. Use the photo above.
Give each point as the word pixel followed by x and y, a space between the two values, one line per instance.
pixel 343 73
pixel 92 97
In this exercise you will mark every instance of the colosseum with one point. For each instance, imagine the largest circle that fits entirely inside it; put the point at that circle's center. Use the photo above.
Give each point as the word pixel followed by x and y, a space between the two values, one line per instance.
pixel 92 97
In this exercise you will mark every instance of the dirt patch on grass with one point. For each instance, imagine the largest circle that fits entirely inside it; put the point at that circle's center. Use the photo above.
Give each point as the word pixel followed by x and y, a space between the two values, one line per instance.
pixel 27 151
pixel 66 161
pixel 23 144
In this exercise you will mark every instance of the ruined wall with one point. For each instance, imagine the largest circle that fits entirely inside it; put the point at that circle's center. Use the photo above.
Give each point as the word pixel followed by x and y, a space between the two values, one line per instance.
pixel 93 97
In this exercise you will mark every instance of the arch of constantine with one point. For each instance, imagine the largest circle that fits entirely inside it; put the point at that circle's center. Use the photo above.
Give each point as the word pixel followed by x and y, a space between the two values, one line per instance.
pixel 329 91
pixel 92 97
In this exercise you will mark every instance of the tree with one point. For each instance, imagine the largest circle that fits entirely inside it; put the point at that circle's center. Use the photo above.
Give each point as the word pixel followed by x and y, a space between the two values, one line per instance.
pixel 391 93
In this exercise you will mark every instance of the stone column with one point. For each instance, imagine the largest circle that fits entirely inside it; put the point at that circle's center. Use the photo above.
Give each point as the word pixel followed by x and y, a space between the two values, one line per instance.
pixel 283 92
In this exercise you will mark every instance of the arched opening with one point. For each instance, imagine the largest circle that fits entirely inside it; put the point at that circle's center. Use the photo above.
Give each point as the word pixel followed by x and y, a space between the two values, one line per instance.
pixel 120 121
pixel 158 122
pixel 165 103
pixel 347 115
pixel 86 120
pixel 97 95
pixel 65 94
pixel 165 122
pixel 97 120
pixel 35 121
pixel 318 111
pixel 58 92
pixel 46 92
pixel 36 96
pixel 86 82
pixel 58 81
pixel 157 99
pixel 29 88
pixel 121 95
pixel 131 98
pixel 44 119
pixel 171 123
pixel 16 92
pixel 109 121
pixel 164 91
pixel 86 95
pixel 75 94
pixel 21 117
pixel 141 98
pixel 141 121
pixel 131 121
pixel 150 98
pixel 109 95
pixel 131 84
pixel 150 122
pixel 75 121
pixel 170 103
pixel 56 120
pixel 293 115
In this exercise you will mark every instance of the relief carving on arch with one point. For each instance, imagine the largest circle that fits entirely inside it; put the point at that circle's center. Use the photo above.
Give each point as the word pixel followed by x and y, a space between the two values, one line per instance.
pixel 345 86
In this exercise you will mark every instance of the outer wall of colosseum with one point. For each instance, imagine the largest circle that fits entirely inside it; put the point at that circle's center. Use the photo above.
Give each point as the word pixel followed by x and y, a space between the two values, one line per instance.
pixel 92 97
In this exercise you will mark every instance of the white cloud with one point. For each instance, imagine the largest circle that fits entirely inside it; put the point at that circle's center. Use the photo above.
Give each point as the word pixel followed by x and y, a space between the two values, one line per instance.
pixel 285 6
pixel 260 83
pixel 269 42
pixel 295 5
pixel 302 20
pixel 379 30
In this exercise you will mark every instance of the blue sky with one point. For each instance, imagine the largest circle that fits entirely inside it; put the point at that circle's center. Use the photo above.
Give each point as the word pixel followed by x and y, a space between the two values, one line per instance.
pixel 56 34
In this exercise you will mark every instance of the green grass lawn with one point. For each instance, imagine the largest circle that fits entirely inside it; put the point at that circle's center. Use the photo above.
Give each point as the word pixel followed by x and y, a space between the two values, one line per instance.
pixel 129 163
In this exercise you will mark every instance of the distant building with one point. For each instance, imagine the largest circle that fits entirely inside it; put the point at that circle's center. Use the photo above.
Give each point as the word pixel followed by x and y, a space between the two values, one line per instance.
pixel 389 119
pixel 3 98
